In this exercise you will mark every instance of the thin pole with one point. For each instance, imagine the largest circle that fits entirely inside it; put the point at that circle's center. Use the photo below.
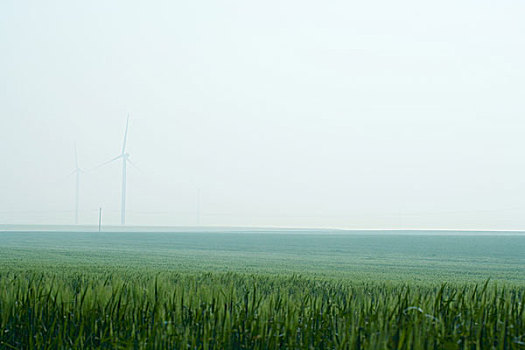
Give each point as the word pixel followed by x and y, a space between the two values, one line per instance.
pixel 123 203
pixel 99 219
pixel 77 187
pixel 76 195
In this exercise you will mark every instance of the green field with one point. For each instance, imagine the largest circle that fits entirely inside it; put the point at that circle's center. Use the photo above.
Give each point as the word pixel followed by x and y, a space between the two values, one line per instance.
pixel 262 289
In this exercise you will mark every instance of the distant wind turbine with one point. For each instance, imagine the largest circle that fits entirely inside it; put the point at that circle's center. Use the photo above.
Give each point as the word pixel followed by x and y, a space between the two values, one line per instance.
pixel 77 172
pixel 125 159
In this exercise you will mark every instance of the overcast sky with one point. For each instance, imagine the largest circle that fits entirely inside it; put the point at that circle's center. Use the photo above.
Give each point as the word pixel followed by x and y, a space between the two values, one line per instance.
pixel 358 114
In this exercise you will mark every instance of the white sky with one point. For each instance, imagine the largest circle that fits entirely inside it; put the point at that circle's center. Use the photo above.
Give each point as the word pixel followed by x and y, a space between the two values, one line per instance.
pixel 360 114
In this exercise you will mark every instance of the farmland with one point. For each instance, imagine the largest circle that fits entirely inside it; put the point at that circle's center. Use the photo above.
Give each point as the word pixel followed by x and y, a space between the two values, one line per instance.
pixel 264 290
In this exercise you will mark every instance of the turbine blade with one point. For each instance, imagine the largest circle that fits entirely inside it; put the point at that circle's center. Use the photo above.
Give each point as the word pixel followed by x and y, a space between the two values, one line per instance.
pixel 134 165
pixel 107 162
pixel 64 178
pixel 125 137
pixel 73 172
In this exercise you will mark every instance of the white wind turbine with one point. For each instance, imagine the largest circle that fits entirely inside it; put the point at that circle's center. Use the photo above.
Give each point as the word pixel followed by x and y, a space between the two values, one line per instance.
pixel 125 159
pixel 77 172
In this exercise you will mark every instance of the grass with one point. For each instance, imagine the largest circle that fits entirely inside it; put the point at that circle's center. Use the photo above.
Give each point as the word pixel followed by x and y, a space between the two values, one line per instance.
pixel 203 311
pixel 262 291
pixel 403 258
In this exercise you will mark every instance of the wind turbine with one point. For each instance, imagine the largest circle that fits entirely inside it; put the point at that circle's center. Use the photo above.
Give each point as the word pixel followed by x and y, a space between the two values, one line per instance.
pixel 125 159
pixel 77 172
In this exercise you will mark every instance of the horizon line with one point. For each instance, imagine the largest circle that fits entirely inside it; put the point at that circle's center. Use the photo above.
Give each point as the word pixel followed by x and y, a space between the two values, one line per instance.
pixel 203 227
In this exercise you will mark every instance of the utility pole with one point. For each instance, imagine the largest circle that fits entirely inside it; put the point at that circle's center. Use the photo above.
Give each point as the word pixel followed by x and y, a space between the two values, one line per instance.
pixel 99 219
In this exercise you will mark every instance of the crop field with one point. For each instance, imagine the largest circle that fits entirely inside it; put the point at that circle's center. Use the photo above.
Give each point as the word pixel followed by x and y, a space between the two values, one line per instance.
pixel 262 290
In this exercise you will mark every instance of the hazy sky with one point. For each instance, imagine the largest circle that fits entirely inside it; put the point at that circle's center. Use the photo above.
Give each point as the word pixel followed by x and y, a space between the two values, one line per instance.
pixel 361 114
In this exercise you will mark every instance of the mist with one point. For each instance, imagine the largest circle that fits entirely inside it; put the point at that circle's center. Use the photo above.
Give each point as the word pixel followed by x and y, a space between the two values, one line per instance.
pixel 342 114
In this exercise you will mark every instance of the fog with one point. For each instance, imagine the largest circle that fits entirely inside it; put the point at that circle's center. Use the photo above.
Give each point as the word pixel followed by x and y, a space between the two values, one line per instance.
pixel 377 114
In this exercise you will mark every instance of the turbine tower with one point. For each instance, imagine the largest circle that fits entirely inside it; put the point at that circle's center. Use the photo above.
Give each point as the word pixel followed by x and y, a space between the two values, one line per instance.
pixel 125 159
pixel 124 155
pixel 77 172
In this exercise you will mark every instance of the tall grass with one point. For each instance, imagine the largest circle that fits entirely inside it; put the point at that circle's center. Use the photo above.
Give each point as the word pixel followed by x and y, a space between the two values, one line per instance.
pixel 222 311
